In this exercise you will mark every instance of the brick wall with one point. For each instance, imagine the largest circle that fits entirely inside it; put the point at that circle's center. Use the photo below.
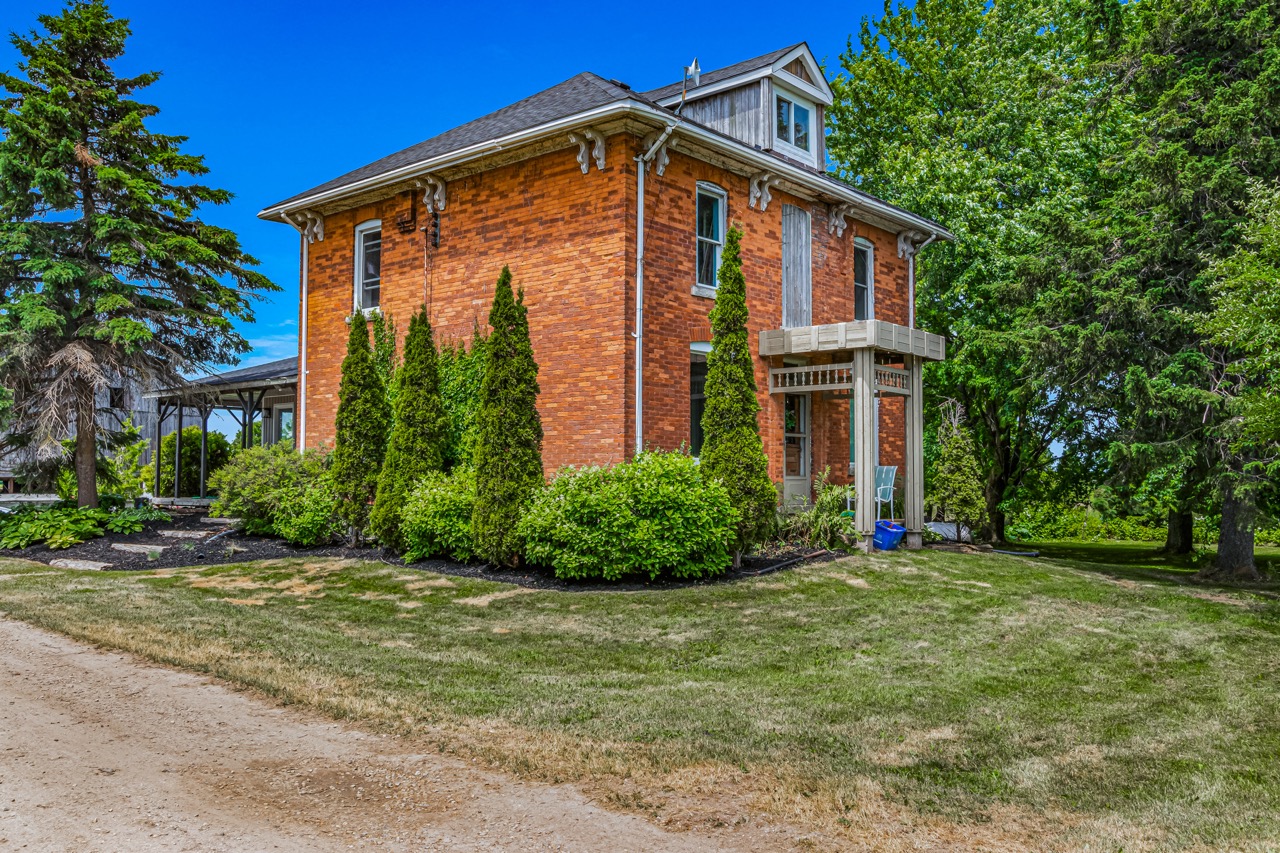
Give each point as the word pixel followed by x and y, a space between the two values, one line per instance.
pixel 674 317
pixel 570 241
pixel 562 234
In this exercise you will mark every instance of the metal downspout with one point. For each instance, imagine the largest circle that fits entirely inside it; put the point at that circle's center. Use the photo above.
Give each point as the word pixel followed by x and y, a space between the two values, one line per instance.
pixel 642 163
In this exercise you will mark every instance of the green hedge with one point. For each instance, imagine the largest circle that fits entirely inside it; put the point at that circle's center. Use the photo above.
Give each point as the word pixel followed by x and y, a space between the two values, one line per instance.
pixel 436 520
pixel 278 491
pixel 653 516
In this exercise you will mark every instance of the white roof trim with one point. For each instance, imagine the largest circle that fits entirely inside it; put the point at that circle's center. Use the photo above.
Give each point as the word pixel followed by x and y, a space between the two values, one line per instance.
pixel 820 91
pixel 757 159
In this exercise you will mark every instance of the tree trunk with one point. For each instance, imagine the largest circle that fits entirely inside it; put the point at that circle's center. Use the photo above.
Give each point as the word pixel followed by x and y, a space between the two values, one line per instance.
pixel 995 488
pixel 1235 538
pixel 1179 538
pixel 86 455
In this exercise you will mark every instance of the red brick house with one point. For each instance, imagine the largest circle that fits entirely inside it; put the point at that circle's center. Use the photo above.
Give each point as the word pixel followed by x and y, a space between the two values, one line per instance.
pixel 611 207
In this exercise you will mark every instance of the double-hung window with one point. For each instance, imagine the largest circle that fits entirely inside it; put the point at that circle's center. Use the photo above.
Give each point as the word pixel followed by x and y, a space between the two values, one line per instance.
pixel 368 265
pixel 794 126
pixel 710 227
pixel 863 287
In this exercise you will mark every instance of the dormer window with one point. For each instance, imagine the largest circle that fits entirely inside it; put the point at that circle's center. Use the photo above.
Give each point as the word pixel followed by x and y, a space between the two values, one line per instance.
pixel 793 123
pixel 368 284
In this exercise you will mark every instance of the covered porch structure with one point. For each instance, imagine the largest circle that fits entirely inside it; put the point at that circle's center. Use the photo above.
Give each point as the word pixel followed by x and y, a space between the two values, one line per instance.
pixel 865 360
pixel 264 393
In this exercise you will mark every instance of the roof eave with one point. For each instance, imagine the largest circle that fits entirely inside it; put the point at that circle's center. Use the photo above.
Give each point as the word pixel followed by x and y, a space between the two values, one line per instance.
pixel 741 150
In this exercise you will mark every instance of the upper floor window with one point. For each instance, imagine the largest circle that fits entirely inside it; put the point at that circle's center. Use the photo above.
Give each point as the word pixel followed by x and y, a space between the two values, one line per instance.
pixel 795 121
pixel 368 265
pixel 710 226
pixel 863 288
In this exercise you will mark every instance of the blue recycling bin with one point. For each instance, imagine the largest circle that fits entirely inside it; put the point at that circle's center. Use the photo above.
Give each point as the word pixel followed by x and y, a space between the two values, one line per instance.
pixel 888 535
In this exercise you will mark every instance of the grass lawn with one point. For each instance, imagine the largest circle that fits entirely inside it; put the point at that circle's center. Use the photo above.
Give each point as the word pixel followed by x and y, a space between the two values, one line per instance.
pixel 1093 696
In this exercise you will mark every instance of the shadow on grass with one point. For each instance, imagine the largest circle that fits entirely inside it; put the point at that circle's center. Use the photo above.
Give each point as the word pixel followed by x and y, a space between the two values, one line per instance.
pixel 1142 561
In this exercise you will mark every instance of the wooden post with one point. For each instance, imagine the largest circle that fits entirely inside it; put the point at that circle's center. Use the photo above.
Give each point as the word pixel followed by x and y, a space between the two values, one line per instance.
pixel 155 454
pixel 205 411
pixel 864 425
pixel 913 494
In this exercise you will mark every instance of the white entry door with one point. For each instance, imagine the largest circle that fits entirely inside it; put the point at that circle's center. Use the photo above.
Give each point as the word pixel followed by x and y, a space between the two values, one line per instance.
pixel 797 477
pixel 797 268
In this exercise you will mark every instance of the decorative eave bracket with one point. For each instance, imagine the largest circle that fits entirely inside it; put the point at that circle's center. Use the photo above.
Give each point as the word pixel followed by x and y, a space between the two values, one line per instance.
pixel 309 224
pixel 660 158
pixel 908 242
pixel 590 138
pixel 761 183
pixel 836 214
pixel 433 192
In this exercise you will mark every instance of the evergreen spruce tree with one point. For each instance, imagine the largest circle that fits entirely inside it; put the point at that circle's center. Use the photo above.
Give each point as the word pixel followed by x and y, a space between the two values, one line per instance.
pixel 508 452
pixel 956 487
pixel 360 441
pixel 107 270
pixel 419 434
pixel 731 446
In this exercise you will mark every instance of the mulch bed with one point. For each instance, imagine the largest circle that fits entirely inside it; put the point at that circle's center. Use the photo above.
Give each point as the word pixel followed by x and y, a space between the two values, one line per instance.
pixel 223 545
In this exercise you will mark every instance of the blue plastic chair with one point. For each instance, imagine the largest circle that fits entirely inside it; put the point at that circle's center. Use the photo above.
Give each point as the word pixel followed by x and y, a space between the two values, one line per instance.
pixel 885 477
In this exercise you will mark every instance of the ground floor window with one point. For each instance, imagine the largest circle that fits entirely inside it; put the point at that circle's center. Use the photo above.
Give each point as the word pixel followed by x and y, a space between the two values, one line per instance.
pixel 697 395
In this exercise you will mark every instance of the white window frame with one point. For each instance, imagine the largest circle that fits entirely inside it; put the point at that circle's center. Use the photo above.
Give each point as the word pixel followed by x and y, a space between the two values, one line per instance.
pixel 278 412
pixel 785 146
pixel 357 293
pixel 870 248
pixel 722 197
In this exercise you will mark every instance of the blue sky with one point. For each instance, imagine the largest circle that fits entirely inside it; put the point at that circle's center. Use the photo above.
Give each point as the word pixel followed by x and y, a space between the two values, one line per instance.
pixel 282 96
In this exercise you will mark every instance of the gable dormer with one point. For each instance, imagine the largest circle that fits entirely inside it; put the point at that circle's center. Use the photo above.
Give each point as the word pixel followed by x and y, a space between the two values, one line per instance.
pixel 774 102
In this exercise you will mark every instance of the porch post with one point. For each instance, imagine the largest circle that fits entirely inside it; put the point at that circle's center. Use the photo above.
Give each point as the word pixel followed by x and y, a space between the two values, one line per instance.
pixel 204 447
pixel 864 425
pixel 913 495
pixel 155 454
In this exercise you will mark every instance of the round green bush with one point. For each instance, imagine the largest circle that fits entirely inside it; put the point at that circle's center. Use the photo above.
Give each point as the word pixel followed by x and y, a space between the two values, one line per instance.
pixel 653 516
pixel 436 520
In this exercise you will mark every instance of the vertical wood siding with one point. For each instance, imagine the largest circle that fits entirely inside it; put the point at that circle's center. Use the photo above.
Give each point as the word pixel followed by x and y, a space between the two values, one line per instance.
pixel 797 268
pixel 735 112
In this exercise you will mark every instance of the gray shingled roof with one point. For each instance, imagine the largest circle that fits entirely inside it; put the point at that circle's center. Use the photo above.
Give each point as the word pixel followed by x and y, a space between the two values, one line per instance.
pixel 281 369
pixel 744 67
pixel 575 95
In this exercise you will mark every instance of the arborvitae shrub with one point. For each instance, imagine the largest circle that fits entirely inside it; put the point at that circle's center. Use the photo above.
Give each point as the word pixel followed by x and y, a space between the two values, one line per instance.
pixel 731 448
pixel 508 453
pixel 657 515
pixel 362 423
pixel 419 435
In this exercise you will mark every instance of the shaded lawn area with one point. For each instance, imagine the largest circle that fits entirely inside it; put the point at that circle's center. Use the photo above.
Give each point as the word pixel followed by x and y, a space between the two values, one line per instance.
pixel 1093 698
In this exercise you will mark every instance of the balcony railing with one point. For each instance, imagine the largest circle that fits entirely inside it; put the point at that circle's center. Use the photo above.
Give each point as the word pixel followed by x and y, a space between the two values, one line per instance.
pixel 835 377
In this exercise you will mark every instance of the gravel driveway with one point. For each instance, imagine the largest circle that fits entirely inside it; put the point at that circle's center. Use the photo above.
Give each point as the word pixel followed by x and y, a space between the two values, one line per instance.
pixel 101 752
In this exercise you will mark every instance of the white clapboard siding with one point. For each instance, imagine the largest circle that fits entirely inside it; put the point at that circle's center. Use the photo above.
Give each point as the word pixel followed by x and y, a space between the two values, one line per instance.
pixel 797 268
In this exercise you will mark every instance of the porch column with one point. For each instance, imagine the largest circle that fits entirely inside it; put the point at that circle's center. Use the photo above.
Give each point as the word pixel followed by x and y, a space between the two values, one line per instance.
pixel 864 436
pixel 205 411
pixel 913 493
pixel 161 414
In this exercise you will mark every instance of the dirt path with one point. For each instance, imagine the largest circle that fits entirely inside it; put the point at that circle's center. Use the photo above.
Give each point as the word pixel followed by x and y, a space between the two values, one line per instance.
pixel 101 752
